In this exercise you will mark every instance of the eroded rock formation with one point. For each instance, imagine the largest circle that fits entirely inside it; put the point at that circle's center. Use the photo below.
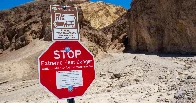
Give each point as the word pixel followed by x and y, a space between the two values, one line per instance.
pixel 101 14
pixel 167 26
pixel 116 33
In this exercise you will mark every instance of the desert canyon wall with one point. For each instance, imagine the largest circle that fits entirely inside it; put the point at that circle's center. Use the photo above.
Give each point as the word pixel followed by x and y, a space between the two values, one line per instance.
pixel 162 26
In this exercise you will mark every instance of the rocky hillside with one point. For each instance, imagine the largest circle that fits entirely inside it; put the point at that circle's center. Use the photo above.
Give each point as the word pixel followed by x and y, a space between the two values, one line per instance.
pixel 101 14
pixel 117 33
pixel 23 24
pixel 149 26
pixel 167 26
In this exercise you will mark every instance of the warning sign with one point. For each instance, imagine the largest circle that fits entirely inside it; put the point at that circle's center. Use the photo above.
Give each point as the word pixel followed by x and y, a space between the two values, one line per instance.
pixel 65 79
pixel 64 23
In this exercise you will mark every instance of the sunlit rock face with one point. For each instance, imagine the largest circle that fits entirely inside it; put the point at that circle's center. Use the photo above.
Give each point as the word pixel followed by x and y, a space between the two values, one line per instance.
pixel 167 26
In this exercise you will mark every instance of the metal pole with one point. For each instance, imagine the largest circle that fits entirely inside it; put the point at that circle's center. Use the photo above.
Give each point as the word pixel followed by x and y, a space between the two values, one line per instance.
pixel 71 100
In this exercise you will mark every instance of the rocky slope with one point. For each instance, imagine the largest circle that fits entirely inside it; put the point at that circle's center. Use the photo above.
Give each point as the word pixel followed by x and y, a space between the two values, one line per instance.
pixel 117 34
pixel 21 25
pixel 101 14
pixel 167 26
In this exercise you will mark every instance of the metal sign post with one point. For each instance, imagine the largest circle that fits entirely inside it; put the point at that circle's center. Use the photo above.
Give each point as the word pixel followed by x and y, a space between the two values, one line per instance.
pixel 71 100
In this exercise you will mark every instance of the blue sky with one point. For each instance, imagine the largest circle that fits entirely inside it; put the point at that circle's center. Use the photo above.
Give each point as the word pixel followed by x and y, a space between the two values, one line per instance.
pixel 7 4
pixel 123 3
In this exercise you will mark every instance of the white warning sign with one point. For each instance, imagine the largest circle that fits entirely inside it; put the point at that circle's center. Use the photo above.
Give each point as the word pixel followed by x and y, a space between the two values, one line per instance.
pixel 64 21
pixel 67 79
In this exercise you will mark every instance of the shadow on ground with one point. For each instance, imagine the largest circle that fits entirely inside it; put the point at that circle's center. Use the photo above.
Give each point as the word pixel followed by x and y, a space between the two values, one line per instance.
pixel 128 50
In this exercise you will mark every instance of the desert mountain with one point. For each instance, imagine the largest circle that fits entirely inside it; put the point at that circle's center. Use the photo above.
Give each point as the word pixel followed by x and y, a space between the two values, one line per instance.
pixel 164 27
pixel 21 25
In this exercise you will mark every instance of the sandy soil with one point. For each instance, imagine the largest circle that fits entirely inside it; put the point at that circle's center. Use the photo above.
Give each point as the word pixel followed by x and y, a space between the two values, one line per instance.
pixel 120 78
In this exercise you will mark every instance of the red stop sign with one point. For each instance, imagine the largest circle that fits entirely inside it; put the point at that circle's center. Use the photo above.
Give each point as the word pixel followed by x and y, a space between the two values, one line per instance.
pixel 66 69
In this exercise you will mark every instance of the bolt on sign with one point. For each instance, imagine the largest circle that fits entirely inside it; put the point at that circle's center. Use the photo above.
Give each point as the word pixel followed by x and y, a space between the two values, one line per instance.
pixel 64 23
